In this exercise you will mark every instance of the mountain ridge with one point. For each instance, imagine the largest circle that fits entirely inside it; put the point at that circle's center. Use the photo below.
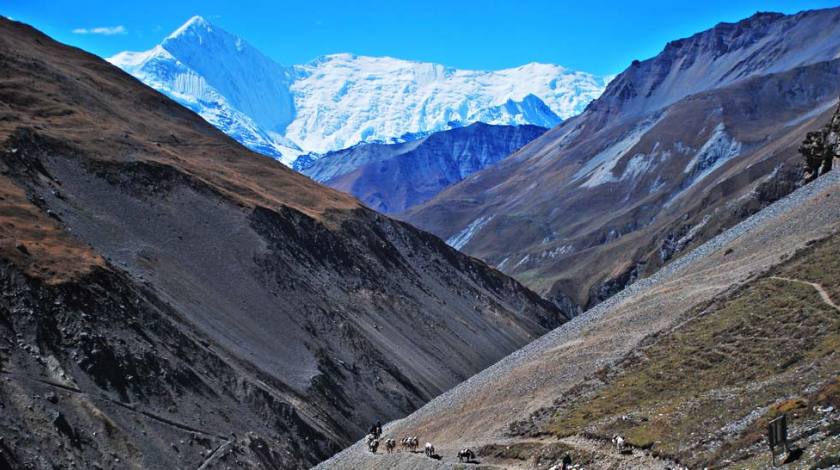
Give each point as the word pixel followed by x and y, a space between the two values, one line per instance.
pixel 762 40
pixel 627 185
pixel 173 298
pixel 341 99
pixel 391 178
pixel 527 409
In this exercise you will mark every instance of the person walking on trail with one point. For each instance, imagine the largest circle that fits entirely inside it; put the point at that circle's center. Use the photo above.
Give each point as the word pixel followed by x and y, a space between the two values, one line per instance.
pixel 378 429
pixel 567 462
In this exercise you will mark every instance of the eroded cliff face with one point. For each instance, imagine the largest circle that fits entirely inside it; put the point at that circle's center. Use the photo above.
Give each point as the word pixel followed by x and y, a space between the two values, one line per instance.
pixel 173 299
pixel 101 371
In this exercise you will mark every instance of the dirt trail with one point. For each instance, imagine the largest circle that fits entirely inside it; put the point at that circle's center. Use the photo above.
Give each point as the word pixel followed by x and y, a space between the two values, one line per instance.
pixel 609 457
pixel 823 293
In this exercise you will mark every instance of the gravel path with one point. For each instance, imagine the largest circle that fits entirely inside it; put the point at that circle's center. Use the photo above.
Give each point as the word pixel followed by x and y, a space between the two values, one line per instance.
pixel 609 457
pixel 479 410
pixel 823 294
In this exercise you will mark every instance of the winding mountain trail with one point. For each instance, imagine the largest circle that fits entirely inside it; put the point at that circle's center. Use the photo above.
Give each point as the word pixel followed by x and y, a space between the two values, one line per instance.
pixel 609 457
pixel 603 452
pixel 823 293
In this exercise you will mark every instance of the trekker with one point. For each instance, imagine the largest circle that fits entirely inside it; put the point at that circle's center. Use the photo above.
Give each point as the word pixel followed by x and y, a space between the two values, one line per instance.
pixel 567 462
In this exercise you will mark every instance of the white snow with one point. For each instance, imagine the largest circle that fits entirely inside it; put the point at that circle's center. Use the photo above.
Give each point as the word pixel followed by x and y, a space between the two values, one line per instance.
pixel 719 149
pixel 463 237
pixel 637 166
pixel 339 100
pixel 185 68
pixel 557 252
pixel 522 261
pixel 658 184
pixel 600 167
pixel 342 99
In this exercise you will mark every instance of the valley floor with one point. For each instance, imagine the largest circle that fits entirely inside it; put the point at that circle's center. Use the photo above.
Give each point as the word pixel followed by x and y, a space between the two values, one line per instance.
pixel 688 365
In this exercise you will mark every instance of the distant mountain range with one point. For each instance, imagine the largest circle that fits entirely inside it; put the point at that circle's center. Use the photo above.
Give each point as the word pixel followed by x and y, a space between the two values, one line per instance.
pixel 391 178
pixel 676 149
pixel 339 100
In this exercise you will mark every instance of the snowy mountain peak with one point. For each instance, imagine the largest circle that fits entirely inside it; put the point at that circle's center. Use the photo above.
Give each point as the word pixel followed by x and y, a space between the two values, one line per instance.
pixel 193 25
pixel 339 56
pixel 199 37
pixel 133 61
pixel 339 100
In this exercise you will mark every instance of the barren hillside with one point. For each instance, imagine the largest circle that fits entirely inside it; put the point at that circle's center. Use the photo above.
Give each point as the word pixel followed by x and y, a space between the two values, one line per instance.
pixel 173 299
pixel 680 147
pixel 688 364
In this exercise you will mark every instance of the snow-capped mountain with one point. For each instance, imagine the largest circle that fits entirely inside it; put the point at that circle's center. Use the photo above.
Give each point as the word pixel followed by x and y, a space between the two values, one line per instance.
pixel 339 100
pixel 344 99
pixel 222 78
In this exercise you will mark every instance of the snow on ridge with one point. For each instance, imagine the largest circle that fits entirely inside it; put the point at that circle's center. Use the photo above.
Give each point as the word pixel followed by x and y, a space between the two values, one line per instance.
pixel 463 237
pixel 338 100
pixel 159 69
pixel 600 167
pixel 194 22
pixel 715 152
pixel 719 149
pixel 342 99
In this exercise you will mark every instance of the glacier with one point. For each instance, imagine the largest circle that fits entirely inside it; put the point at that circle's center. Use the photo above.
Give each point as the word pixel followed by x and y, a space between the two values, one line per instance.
pixel 339 100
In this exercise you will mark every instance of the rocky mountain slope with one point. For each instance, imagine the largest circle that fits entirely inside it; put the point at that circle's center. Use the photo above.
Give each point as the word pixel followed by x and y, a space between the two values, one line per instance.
pixel 391 178
pixel 171 299
pixel 687 365
pixel 339 100
pixel 678 148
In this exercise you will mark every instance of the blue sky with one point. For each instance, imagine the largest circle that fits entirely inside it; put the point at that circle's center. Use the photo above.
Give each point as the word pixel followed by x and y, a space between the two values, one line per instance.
pixel 595 36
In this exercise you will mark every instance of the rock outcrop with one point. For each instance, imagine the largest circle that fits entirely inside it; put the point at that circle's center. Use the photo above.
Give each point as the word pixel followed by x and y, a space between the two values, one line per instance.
pixel 821 148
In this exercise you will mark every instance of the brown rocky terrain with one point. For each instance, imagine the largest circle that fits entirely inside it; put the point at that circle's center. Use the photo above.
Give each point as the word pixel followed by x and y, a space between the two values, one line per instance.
pixel 688 365
pixel 171 299
pixel 678 148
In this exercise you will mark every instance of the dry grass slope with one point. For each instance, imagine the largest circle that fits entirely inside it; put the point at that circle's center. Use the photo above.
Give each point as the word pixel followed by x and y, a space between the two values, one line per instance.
pixel 704 391
pixel 726 390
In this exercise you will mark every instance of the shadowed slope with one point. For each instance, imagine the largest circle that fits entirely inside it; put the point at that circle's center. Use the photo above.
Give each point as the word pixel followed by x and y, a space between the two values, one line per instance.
pixel 181 294
pixel 394 177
